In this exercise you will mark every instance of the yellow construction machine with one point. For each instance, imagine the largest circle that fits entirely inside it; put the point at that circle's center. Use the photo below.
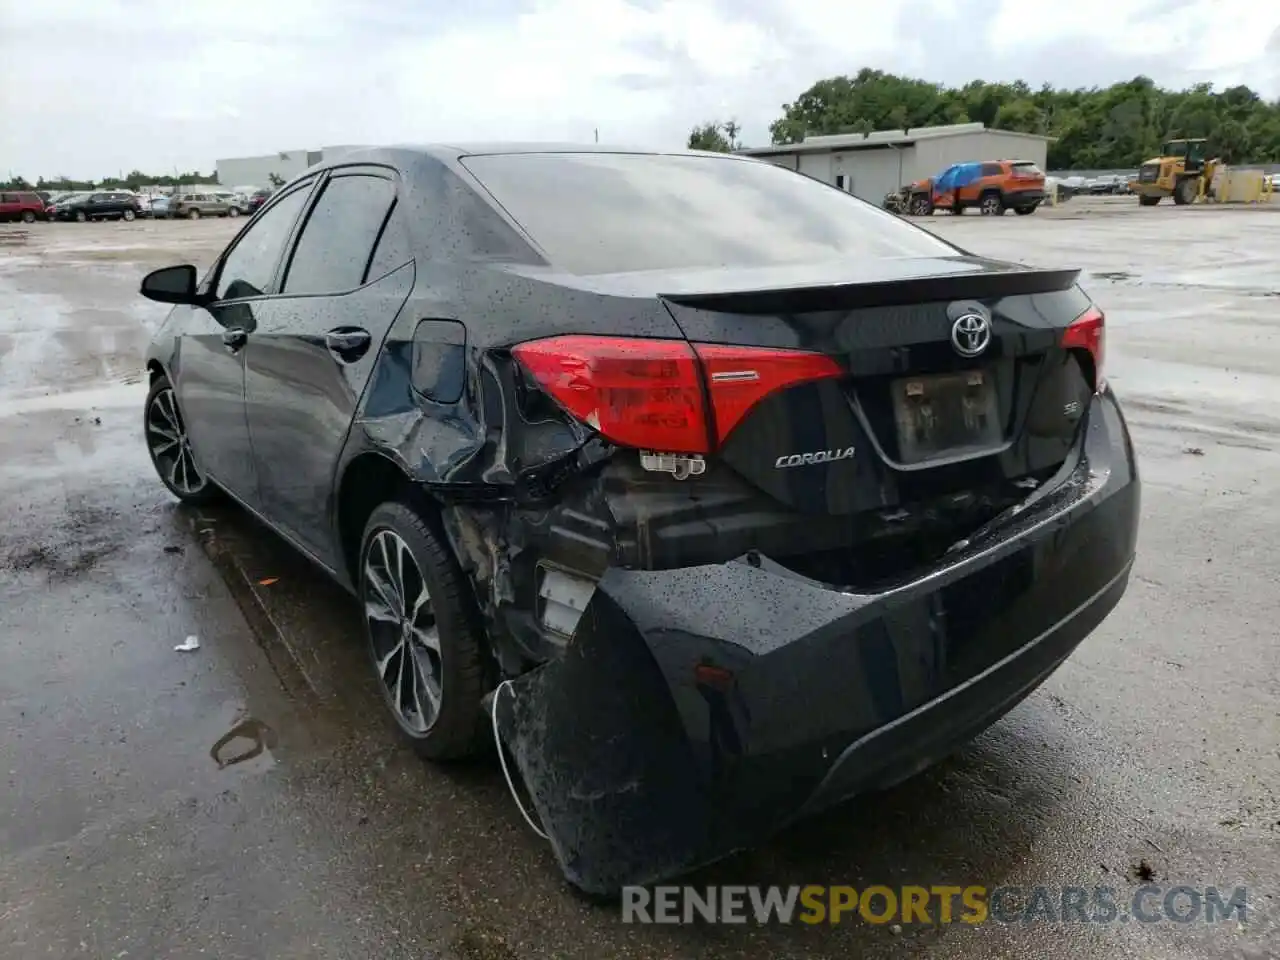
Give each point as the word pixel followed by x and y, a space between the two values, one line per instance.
pixel 1181 171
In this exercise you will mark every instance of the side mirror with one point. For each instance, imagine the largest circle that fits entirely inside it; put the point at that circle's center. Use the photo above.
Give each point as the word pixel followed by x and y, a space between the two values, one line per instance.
pixel 171 285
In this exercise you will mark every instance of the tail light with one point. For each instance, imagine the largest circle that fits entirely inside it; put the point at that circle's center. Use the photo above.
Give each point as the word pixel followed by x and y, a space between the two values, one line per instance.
pixel 1088 332
pixel 665 395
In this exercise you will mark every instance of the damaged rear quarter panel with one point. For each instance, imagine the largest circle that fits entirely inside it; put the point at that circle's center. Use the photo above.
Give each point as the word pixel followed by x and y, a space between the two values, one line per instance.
pixel 450 407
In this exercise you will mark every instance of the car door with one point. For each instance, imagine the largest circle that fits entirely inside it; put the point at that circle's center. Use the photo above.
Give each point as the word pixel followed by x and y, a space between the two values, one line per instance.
pixel 211 355
pixel 315 345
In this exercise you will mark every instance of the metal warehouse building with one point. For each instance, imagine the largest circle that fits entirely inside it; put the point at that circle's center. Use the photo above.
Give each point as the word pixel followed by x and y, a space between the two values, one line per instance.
pixel 873 164
pixel 287 164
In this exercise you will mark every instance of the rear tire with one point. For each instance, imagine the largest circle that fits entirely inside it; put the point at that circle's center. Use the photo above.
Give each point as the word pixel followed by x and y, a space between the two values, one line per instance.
pixel 1025 211
pixel 430 671
pixel 166 435
pixel 920 206
pixel 81 217
pixel 1146 201
pixel 991 205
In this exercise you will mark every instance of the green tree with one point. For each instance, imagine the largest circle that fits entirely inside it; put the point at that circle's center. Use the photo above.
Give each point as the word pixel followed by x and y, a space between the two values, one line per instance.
pixel 1116 126
pixel 717 136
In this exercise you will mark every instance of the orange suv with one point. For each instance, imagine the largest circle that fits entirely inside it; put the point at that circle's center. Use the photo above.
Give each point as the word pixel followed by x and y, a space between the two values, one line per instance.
pixel 992 186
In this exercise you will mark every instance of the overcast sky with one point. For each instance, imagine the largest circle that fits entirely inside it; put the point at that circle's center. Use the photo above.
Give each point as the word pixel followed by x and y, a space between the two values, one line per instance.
pixel 89 88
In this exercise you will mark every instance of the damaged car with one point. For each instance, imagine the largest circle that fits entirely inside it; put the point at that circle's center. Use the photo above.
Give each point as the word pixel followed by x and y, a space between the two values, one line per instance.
pixel 713 493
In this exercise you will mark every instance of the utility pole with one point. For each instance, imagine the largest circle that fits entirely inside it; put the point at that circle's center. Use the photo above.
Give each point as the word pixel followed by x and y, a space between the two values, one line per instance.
pixel 597 134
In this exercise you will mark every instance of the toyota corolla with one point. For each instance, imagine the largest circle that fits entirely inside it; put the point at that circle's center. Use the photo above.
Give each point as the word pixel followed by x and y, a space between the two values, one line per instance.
pixel 716 494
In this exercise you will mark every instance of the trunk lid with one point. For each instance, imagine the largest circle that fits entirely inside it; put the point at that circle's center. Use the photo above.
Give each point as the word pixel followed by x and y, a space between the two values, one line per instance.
pixel 954 378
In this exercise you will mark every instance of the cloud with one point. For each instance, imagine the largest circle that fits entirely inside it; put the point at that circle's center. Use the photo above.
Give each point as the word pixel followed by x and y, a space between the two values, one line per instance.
pixel 92 87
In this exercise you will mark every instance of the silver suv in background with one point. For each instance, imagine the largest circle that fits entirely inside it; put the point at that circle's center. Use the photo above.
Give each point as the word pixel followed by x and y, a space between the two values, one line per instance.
pixel 193 206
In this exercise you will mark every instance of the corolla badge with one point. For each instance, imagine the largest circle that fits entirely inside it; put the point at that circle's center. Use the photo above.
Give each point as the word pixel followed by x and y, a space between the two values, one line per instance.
pixel 809 459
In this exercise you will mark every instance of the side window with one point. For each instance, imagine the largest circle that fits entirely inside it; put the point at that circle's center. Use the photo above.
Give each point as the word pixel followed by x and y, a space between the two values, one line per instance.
pixel 992 170
pixel 338 238
pixel 393 247
pixel 249 267
pixel 7 198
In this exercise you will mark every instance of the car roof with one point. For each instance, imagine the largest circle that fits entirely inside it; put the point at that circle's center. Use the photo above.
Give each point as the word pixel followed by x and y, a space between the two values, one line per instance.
pixel 452 152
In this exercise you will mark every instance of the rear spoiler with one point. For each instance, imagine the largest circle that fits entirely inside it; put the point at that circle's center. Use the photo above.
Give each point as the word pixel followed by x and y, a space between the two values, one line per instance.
pixel 882 293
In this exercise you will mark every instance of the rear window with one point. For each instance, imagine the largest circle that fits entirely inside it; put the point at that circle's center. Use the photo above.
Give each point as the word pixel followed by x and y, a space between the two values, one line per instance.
pixel 1027 169
pixel 598 213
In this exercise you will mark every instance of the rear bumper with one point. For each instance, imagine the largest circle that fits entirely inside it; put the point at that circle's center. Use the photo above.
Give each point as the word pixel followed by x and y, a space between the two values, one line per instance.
pixel 1024 198
pixel 699 710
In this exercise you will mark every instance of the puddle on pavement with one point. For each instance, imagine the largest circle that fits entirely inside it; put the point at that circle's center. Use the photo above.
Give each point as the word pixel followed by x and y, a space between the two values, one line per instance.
pixel 247 744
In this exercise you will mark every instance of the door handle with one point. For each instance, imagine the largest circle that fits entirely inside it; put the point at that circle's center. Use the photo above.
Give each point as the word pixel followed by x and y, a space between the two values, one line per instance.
pixel 234 338
pixel 348 343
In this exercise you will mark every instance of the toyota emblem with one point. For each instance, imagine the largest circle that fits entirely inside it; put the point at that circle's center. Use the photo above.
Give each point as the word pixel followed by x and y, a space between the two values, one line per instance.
pixel 970 334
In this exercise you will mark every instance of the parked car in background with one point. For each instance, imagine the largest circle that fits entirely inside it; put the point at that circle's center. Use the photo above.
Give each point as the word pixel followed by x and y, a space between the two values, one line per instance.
pixel 160 208
pixel 103 205
pixel 236 203
pixel 193 206
pixel 22 205
pixel 257 199
pixel 992 186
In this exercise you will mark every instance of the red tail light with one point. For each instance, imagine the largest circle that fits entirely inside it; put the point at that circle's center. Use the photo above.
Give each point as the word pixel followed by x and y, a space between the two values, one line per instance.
pixel 1088 332
pixel 652 394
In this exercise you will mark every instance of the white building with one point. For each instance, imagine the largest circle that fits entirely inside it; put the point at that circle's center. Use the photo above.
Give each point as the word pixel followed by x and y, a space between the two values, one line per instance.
pixel 874 164
pixel 286 165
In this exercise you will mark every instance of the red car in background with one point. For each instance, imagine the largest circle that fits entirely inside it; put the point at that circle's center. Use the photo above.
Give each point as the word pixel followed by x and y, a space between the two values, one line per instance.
pixel 24 205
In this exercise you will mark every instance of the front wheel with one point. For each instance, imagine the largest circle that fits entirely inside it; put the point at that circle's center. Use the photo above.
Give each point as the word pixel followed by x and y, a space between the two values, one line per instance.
pixel 170 448
pixel 28 216
pixel 127 215
pixel 81 216
pixel 233 212
pixel 1146 201
pixel 193 214
pixel 425 642
pixel 991 205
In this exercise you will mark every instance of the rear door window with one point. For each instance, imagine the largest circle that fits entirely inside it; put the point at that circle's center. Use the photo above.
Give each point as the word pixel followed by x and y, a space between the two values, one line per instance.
pixel 594 213
pixel 337 241
pixel 250 267
pixel 992 170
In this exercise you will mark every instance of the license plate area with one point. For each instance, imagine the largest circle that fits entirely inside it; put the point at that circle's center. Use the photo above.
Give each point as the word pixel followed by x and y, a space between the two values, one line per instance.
pixel 945 415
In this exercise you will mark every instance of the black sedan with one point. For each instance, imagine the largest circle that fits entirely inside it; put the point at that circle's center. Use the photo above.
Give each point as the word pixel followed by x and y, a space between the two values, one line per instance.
pixel 715 493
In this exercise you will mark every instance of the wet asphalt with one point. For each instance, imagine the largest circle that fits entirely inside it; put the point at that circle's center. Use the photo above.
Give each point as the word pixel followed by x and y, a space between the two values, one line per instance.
pixel 248 799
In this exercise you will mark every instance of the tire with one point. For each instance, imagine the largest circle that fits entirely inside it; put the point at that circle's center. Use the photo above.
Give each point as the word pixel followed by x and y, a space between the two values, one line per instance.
pixel 920 206
pixel 81 217
pixel 233 212
pixel 162 424
pixel 28 216
pixel 127 216
pixel 991 205
pixel 1025 211
pixel 193 214
pixel 1184 192
pixel 1146 201
pixel 456 728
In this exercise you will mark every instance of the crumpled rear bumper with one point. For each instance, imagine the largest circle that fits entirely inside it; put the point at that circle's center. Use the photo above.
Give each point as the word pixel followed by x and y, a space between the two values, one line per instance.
pixel 699 710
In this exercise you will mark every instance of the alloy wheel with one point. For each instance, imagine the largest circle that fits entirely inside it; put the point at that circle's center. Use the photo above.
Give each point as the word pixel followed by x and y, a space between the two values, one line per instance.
pixel 170 448
pixel 403 634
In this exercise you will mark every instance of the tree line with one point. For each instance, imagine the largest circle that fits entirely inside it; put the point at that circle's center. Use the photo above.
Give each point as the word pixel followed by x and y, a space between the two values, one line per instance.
pixel 1100 128
pixel 134 180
